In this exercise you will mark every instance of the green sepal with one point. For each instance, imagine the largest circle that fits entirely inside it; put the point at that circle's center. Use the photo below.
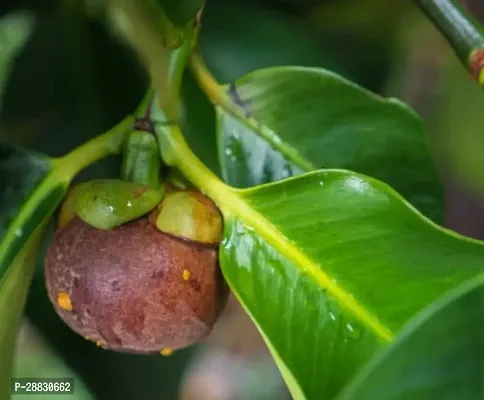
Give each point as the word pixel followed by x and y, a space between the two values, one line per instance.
pixel 108 203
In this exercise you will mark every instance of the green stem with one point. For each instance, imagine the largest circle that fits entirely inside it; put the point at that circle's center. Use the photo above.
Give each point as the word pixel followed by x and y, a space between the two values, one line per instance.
pixel 110 142
pixel 463 32
pixel 143 109
pixel 179 58
pixel 141 161
pixel 177 63
pixel 173 147
pixel 151 34
pixel 218 95
pixel 209 85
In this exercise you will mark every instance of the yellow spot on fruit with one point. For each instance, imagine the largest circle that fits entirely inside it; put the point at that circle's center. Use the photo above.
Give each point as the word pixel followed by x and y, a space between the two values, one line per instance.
pixel 99 343
pixel 166 352
pixel 186 274
pixel 87 338
pixel 64 301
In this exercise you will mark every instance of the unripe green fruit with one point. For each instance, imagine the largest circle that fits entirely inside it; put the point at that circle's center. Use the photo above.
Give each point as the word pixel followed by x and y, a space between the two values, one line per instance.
pixel 134 288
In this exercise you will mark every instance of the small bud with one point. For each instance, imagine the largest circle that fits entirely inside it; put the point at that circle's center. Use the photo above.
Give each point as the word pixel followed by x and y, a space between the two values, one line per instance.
pixel 190 215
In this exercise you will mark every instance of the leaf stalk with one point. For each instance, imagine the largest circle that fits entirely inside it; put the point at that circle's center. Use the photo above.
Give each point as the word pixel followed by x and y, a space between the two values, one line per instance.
pixel 461 30
pixel 209 85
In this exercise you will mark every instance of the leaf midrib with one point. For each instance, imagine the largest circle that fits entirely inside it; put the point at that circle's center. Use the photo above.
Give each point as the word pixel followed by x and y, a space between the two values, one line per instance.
pixel 264 132
pixel 233 206
pixel 176 153
pixel 221 100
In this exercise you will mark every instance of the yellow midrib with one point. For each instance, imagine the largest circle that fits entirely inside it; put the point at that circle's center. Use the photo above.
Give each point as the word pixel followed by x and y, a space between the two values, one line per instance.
pixel 232 205
pixel 175 149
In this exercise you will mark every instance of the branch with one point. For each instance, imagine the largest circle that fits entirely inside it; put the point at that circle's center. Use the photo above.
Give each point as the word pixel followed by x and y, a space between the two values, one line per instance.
pixel 463 32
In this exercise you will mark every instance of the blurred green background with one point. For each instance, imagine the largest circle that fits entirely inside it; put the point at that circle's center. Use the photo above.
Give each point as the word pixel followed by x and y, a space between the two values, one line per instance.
pixel 71 79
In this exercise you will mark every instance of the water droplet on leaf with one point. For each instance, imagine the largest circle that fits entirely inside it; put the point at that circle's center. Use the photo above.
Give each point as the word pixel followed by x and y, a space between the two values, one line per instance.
pixel 352 331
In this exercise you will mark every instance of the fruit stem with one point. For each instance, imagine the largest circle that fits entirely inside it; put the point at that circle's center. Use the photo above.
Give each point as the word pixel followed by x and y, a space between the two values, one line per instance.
pixel 209 85
pixel 144 108
pixel 463 33
pixel 141 159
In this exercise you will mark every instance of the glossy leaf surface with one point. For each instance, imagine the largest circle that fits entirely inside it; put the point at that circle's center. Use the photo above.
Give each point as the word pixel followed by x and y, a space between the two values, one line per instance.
pixel 275 39
pixel 283 121
pixel 438 356
pixel 338 263
pixel 34 187
pixel 26 198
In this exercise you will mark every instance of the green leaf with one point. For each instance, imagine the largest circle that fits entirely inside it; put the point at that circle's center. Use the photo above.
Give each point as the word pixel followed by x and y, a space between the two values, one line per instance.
pixel 27 197
pixel 437 356
pixel 30 193
pixel 282 121
pixel 34 185
pixel 13 293
pixel 339 263
pixel 324 264
pixel 330 265
pixel 275 39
